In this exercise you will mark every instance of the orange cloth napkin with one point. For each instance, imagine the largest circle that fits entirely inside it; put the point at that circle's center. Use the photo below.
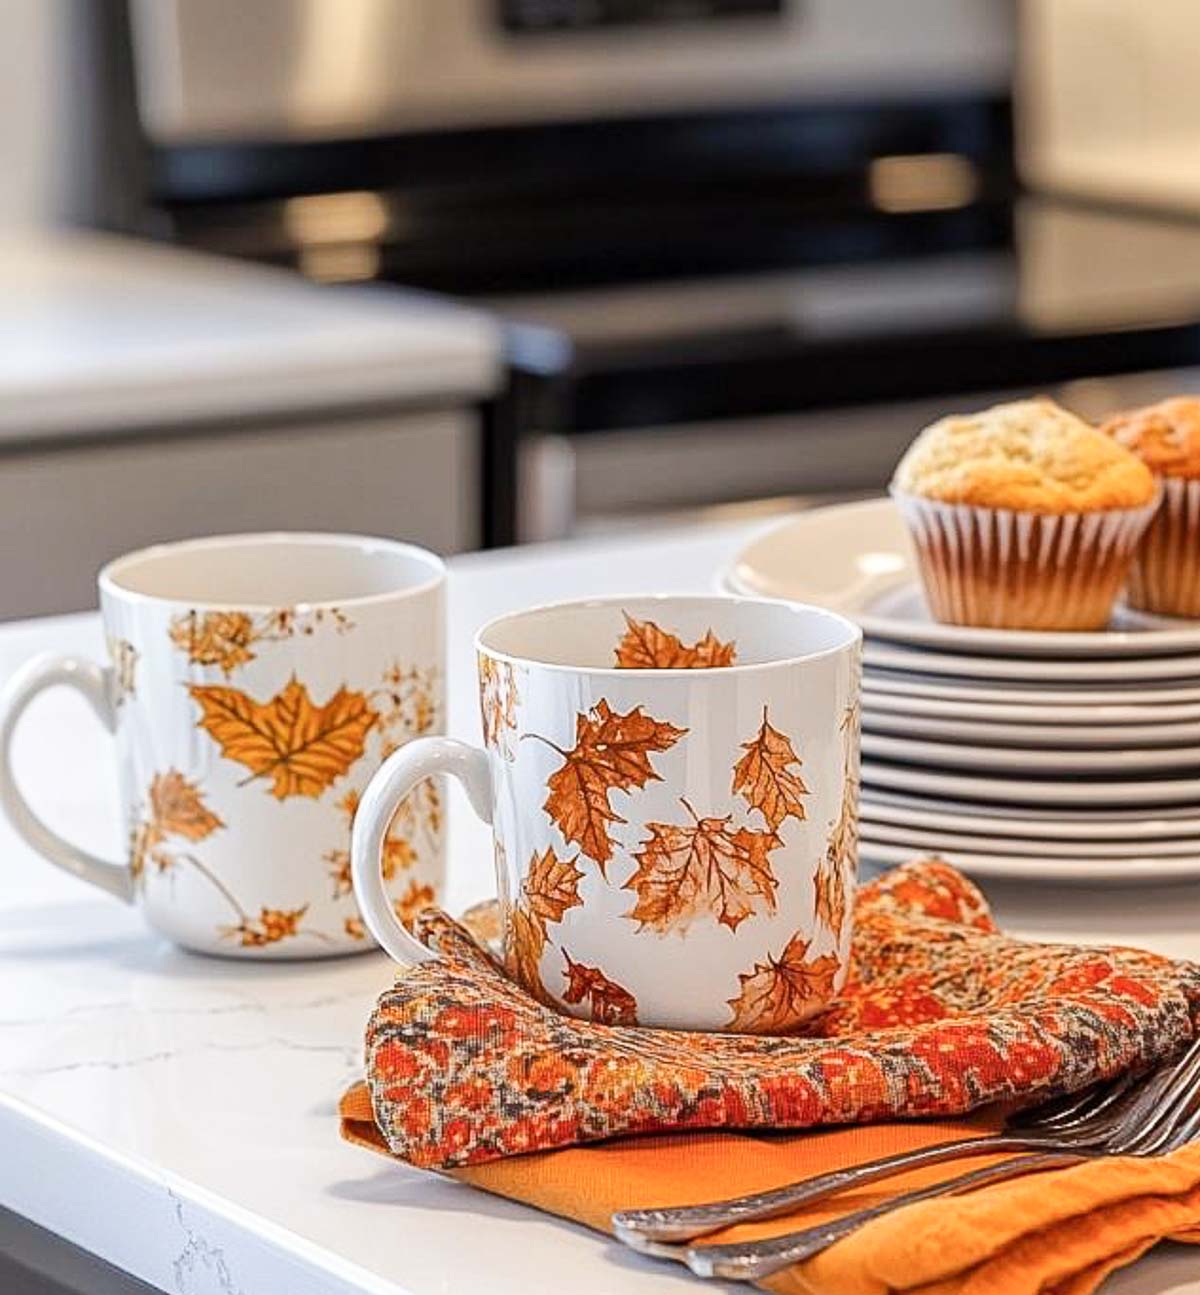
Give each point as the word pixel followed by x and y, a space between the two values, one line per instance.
pixel 1059 1233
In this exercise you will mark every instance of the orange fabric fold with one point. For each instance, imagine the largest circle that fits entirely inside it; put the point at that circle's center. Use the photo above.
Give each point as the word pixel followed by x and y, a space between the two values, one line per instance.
pixel 1058 1233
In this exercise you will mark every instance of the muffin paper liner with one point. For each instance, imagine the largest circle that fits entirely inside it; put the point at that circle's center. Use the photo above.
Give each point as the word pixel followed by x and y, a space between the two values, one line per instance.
pixel 1165 576
pixel 1006 569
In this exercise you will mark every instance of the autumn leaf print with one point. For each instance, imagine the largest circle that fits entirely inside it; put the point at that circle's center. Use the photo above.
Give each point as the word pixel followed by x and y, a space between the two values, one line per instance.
pixel 837 870
pixel 764 778
pixel 607 1002
pixel 269 927
pixel 781 995
pixel 551 886
pixel 175 809
pixel 354 928
pixel 524 944
pixel 498 701
pixel 414 899
pixel 611 753
pixel 225 639
pixel 303 748
pixel 644 646
pixel 220 639
pixel 700 868
pixel 830 899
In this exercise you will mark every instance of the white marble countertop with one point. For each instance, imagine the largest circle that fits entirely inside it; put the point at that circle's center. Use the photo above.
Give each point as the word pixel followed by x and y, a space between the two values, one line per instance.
pixel 176 1114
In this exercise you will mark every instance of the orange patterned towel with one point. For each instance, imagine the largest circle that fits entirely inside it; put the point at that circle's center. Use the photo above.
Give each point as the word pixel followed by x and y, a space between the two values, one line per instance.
pixel 941 1014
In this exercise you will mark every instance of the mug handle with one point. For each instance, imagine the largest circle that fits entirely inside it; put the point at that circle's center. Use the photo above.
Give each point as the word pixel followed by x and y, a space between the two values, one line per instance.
pixel 96 684
pixel 399 775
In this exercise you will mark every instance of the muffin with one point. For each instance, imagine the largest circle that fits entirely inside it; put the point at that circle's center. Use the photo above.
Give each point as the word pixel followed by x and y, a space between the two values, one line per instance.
pixel 1023 517
pixel 1165 576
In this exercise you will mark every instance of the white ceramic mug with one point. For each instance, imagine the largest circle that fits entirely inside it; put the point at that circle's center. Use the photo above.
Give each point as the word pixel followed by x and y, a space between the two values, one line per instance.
pixel 672 785
pixel 255 684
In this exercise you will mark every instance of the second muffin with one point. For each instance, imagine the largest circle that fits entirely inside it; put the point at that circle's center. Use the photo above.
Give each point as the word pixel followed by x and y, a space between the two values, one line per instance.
pixel 1165 576
pixel 1023 517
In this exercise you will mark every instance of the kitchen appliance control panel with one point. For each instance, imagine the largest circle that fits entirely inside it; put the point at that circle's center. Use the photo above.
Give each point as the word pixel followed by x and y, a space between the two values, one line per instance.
pixel 532 16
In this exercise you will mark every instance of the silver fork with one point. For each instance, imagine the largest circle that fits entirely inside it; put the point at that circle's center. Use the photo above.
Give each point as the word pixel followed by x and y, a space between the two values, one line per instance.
pixel 1078 1120
pixel 1165 1127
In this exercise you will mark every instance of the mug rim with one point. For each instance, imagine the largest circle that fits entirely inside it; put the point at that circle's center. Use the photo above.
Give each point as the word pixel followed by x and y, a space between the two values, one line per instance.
pixel 854 635
pixel 108 578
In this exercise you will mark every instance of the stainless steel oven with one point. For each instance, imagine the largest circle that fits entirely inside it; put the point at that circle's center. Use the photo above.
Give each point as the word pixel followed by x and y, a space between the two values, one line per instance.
pixel 744 246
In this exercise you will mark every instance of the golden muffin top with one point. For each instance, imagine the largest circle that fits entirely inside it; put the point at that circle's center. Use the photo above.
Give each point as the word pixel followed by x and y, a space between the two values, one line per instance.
pixel 1166 436
pixel 1027 455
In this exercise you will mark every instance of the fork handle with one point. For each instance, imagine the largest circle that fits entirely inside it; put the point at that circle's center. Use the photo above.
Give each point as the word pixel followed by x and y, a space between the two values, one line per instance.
pixel 686 1222
pixel 752 1260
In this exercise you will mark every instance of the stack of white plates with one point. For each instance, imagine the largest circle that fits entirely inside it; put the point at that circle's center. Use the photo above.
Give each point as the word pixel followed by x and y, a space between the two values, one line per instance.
pixel 1064 757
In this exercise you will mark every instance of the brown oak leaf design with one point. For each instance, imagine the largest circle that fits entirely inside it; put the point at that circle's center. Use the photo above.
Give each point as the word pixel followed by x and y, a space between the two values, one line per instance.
pixel 764 777
pixel 645 646
pixel 611 753
pixel 608 1002
pixel 302 747
pixel 703 867
pixel 780 995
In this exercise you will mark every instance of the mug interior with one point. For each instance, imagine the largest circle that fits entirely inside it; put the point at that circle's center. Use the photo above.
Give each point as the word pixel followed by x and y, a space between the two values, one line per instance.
pixel 280 569
pixel 587 635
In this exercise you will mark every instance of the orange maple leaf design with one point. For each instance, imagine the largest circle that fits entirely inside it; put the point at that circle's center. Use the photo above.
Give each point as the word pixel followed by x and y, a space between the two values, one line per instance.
pixel 215 638
pixel 551 886
pixel 608 1002
pixel 764 779
pixel 704 867
pixel 271 926
pixel 781 995
pixel 300 746
pixel 354 928
pixel 611 753
pixel 177 808
pixel 524 944
pixel 645 646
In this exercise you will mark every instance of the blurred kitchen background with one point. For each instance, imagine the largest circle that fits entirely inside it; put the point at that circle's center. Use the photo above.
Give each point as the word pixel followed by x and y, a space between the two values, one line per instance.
pixel 477 272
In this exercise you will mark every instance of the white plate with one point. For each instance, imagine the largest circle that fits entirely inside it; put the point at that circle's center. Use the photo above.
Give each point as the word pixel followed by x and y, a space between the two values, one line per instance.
pixel 998 713
pixel 1031 693
pixel 899 723
pixel 856 558
pixel 1179 761
pixel 889 656
pixel 915 838
pixel 1092 794
pixel 1102 823
pixel 1133 871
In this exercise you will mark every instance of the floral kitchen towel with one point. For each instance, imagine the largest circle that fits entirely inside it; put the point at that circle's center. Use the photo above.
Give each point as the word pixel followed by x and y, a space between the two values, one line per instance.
pixel 941 1013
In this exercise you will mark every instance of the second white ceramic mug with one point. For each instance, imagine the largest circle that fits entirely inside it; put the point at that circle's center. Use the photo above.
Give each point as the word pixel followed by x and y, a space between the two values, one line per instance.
pixel 672 785
pixel 256 681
